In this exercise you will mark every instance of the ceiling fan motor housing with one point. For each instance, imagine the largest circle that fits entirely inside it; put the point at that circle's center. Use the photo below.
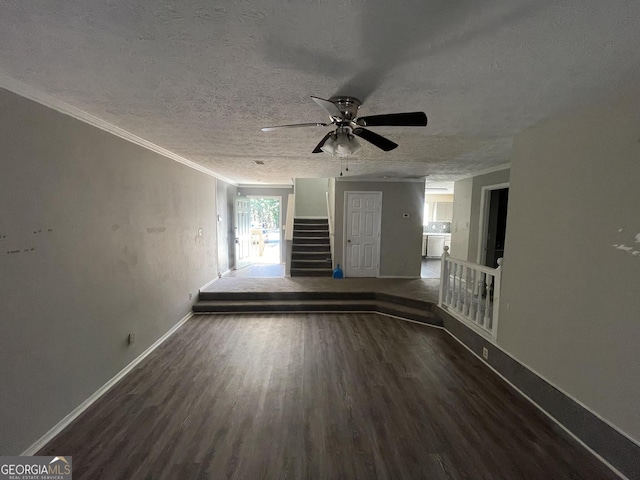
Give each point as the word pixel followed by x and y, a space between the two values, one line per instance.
pixel 348 106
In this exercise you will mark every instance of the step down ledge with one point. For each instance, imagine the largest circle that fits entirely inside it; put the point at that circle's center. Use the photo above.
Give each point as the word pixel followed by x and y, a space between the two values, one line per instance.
pixel 292 306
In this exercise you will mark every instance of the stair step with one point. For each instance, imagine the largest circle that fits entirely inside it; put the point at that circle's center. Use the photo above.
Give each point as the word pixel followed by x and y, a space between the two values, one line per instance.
pixel 310 233
pixel 311 272
pixel 323 241
pixel 312 255
pixel 309 261
pixel 336 294
pixel 355 305
pixel 307 264
pixel 310 226
pixel 288 295
pixel 310 220
pixel 311 247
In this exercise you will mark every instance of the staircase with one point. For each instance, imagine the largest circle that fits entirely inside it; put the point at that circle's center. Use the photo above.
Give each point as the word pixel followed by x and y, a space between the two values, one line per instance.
pixel 311 250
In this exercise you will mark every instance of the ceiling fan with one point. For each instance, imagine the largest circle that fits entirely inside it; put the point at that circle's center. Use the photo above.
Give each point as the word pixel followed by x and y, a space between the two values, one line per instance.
pixel 343 112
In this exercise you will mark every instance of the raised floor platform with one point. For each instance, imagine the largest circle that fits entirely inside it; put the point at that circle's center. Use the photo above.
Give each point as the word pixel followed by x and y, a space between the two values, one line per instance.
pixel 425 289
pixel 413 299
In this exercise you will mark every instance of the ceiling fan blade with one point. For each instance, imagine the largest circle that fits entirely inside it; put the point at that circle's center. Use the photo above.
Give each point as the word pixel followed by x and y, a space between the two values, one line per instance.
pixel 329 107
pixel 296 125
pixel 409 119
pixel 318 148
pixel 372 137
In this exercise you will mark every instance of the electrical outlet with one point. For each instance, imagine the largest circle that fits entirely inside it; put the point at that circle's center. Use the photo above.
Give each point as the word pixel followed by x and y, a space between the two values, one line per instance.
pixel 131 339
pixel 190 295
pixel 485 353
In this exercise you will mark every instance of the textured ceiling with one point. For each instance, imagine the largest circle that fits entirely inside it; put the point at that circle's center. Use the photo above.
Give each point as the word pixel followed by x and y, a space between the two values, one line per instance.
pixel 201 78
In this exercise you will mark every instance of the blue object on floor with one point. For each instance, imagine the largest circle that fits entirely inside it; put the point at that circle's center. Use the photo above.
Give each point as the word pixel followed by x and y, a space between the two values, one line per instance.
pixel 337 272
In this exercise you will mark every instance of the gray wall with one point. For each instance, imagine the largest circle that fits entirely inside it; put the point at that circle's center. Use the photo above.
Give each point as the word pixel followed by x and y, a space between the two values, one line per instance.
pixel 225 195
pixel 98 239
pixel 401 238
pixel 462 194
pixel 570 304
pixel 282 194
pixel 311 197
pixel 466 213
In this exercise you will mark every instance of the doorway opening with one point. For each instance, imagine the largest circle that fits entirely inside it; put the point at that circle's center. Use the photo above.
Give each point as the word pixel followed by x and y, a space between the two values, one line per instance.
pixel 493 224
pixel 265 229
pixel 258 240
pixel 436 229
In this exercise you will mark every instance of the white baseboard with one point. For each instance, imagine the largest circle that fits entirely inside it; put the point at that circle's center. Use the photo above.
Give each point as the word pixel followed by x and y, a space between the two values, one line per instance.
pixel 209 283
pixel 62 424
pixel 408 320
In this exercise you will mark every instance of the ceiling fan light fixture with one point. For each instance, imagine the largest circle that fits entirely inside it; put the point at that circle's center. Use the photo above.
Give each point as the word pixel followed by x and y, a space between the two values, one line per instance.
pixel 347 145
pixel 329 146
pixel 341 144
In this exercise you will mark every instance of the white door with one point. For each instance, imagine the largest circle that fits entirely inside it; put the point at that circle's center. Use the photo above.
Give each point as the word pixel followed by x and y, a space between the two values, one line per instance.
pixel 362 233
pixel 242 226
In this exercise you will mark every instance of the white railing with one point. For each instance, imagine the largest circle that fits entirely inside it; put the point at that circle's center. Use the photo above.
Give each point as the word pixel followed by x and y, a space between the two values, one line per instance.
pixel 471 293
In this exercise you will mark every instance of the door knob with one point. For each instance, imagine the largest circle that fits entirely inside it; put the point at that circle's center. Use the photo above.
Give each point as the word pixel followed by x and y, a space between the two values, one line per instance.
pixel 349 241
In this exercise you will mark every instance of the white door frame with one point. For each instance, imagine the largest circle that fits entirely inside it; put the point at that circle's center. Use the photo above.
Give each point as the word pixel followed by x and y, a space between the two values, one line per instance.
pixel 345 233
pixel 483 226
pixel 240 237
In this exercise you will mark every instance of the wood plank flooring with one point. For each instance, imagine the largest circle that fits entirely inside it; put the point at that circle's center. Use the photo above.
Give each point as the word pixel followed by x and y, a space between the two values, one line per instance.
pixel 318 396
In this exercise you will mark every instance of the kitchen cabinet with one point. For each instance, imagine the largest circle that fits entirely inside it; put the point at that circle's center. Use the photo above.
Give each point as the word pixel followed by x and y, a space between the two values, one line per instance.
pixel 443 212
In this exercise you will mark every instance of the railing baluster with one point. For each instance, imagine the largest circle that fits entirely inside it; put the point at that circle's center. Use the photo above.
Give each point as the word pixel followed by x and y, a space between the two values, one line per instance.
pixel 473 304
pixel 487 301
pixel 471 292
pixel 480 309
pixel 465 297
pixel 444 277
pixel 497 282
pixel 454 298
pixel 452 269
pixel 460 292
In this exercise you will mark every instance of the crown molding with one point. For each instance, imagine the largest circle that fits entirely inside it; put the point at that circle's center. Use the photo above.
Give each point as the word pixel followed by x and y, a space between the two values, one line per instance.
pixel 20 88
pixel 497 168
pixel 381 179
pixel 265 185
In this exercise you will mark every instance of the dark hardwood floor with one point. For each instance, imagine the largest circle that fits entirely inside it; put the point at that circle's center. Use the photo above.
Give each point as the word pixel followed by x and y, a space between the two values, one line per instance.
pixel 326 396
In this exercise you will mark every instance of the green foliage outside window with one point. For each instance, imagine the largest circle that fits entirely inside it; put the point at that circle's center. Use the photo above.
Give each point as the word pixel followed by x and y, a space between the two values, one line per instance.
pixel 265 212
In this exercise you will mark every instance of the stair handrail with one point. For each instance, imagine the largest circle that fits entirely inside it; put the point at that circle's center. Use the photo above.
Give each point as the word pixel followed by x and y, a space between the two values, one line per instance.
pixel 288 232
pixel 291 206
pixel 330 221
